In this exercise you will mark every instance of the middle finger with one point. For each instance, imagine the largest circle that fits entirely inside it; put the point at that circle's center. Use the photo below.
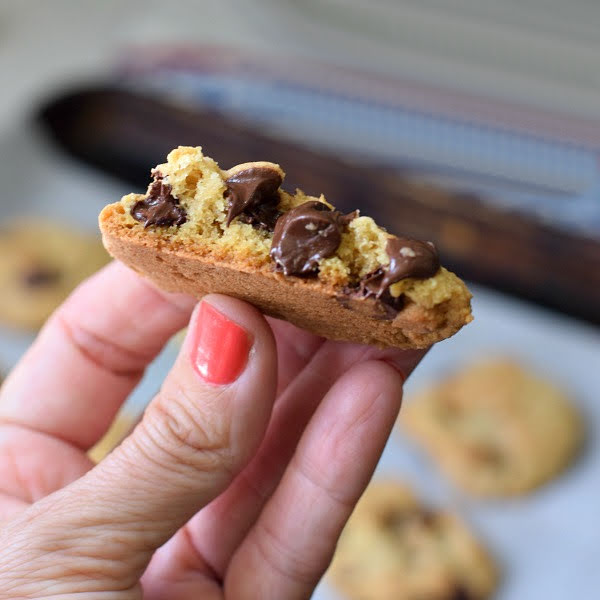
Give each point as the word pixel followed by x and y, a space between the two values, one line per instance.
pixel 218 529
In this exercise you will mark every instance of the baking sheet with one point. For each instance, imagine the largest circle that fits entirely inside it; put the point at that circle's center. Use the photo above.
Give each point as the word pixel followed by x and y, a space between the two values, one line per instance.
pixel 547 542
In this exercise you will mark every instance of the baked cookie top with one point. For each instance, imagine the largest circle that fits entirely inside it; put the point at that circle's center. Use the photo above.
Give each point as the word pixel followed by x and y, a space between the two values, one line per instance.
pixel 243 219
pixel 393 548
pixel 495 428
pixel 40 264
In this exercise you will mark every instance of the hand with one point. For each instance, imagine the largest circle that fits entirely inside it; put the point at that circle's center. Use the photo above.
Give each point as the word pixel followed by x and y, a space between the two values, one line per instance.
pixel 236 483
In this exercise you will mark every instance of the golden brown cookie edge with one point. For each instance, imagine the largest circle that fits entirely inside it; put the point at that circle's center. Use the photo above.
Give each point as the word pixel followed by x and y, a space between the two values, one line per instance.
pixel 309 304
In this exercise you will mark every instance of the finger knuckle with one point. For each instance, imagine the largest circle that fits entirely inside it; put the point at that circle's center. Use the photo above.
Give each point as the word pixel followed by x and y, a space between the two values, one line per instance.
pixel 282 558
pixel 184 431
pixel 324 483
pixel 44 553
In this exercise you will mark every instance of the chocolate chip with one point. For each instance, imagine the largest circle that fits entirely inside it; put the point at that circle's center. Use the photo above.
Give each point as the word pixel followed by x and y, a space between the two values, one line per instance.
pixel 487 454
pixel 408 258
pixel 357 297
pixel 426 517
pixel 306 234
pixel 460 592
pixel 261 217
pixel 253 195
pixel 395 519
pixel 40 276
pixel 159 207
pixel 392 519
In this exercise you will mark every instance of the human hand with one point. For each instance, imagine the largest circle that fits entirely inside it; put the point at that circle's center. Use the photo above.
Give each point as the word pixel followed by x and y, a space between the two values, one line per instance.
pixel 236 483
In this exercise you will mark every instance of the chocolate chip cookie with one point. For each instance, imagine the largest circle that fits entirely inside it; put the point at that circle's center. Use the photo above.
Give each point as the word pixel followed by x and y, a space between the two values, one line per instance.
pixel 393 548
pixel 495 428
pixel 200 229
pixel 40 264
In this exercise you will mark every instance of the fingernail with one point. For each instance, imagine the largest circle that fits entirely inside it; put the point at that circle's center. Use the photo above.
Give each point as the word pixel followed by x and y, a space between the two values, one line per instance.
pixel 220 347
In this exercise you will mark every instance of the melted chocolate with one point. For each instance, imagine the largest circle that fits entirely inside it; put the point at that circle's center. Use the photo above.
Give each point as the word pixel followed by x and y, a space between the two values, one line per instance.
pixel 408 258
pixel 384 308
pixel 487 454
pixel 306 234
pixel 427 518
pixel 460 592
pixel 261 217
pixel 253 195
pixel 396 519
pixel 159 207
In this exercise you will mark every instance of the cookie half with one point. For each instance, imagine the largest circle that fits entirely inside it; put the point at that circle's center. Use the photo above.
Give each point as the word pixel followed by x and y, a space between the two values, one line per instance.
pixel 200 229
pixel 394 548
pixel 40 264
pixel 494 428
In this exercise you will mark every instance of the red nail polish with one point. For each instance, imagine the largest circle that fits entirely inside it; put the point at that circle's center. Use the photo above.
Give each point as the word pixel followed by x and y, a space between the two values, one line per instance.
pixel 220 346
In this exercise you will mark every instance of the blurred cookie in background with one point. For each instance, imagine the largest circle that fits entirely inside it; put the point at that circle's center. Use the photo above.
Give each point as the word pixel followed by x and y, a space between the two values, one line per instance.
pixel 178 339
pixel 120 428
pixel 495 428
pixel 394 548
pixel 40 264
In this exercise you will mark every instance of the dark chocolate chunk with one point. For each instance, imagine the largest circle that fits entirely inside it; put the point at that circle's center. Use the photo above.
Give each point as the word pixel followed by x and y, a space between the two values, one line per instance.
pixel 485 453
pixel 408 258
pixel 427 518
pixel 253 195
pixel 306 234
pixel 392 519
pixel 41 276
pixel 396 519
pixel 159 207
pixel 358 297
pixel 460 592
pixel 261 217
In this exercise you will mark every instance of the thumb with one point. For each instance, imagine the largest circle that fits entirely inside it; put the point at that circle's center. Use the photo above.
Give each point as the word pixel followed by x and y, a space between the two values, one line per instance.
pixel 196 435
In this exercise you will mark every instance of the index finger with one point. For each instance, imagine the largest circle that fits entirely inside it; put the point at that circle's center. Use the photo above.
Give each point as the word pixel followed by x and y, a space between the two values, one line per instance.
pixel 90 355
